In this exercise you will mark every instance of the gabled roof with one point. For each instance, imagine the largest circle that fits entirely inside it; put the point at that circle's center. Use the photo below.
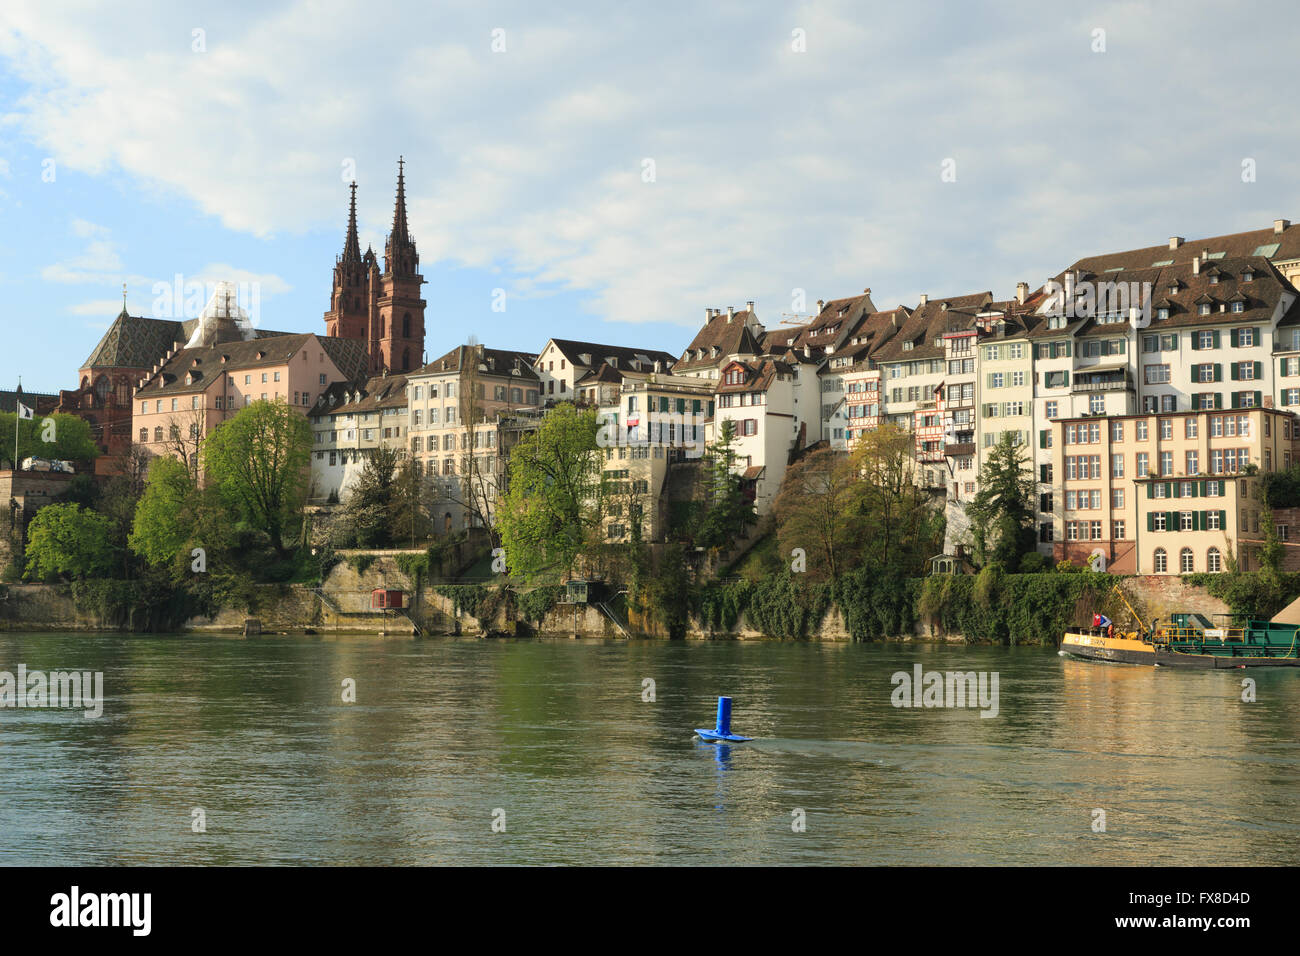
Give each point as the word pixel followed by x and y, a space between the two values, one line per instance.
pixel 730 336
pixel 494 362
pixel 1275 246
pixel 759 374
pixel 831 326
pixel 929 322
pixel 595 354
pixel 193 370
pixel 351 398
pixel 1217 289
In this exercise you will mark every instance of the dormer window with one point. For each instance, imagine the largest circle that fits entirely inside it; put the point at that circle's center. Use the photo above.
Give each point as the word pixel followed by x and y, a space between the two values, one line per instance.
pixel 1214 279
pixel 1247 276
pixel 1238 306
pixel 1162 313
pixel 1203 309
pixel 907 346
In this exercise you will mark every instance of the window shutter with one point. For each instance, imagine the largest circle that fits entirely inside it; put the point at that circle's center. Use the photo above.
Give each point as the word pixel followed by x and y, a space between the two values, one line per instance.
pixel 1069 348
pixel 1223 520
pixel 1170 518
pixel 1218 372
pixel 1236 399
pixel 1233 369
pixel 1218 399
pixel 1151 521
pixel 1042 438
pixel 1169 489
pixel 1196 489
pixel 1067 374
pixel 1259 369
pixel 1281 366
pixel 1042 473
pixel 1258 399
pixel 1151 490
pixel 1216 338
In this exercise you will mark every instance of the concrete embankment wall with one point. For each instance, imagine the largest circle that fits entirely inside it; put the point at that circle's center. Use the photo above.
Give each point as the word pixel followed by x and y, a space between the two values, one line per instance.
pixel 342 605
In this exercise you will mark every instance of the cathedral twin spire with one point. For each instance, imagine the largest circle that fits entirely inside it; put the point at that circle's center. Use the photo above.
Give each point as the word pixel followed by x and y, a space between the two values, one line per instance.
pixel 400 256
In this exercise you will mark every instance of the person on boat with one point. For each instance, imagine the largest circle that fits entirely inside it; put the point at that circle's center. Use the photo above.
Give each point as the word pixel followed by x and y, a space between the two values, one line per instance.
pixel 1110 630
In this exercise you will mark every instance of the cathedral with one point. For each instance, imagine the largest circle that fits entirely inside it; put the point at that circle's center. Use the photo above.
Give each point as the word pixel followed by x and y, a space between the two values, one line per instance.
pixel 382 309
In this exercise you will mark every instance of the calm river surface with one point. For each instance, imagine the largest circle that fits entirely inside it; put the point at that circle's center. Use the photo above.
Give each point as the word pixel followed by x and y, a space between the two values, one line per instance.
pixel 556 734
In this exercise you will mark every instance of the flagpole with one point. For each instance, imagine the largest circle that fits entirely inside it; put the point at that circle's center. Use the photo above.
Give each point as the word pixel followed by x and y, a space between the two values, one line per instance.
pixel 17 417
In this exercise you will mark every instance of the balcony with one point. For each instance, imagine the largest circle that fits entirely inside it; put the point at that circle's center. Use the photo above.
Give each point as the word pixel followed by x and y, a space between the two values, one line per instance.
pixel 1102 380
pixel 959 450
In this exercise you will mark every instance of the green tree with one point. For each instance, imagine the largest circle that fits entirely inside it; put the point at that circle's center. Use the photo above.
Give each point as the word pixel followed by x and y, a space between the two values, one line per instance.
pixel 410 521
pixel 553 501
pixel 821 510
pixel 165 517
pixel 71 540
pixel 366 518
pixel 1002 511
pixel 726 510
pixel 57 436
pixel 902 529
pixel 259 459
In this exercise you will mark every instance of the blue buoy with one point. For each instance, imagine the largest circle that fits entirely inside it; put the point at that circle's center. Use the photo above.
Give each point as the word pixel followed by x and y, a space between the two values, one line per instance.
pixel 723 730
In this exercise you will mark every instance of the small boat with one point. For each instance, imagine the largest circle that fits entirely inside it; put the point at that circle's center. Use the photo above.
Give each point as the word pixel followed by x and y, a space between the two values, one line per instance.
pixel 1190 640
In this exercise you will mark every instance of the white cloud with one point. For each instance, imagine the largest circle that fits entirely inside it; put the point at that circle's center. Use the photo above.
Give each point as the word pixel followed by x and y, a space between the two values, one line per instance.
pixel 775 169
pixel 98 308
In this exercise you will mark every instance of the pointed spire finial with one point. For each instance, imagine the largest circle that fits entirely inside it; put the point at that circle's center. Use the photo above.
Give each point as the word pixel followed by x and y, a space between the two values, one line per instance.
pixel 399 210
pixel 124 298
pixel 351 246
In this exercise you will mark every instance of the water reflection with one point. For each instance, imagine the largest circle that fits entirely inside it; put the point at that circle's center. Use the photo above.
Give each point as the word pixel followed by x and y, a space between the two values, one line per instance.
pixel 557 735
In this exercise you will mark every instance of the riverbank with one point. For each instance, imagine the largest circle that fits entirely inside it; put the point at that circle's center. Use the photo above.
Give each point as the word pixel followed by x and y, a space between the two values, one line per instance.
pixel 998 609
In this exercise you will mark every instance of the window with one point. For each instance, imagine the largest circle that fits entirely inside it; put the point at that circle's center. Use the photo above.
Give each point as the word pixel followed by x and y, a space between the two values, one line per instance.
pixel 1157 374
pixel 1117 498
pixel 1117 466
pixel 1166 429
pixel 1117 529
pixel 1161 563
pixel 1213 562
pixel 1097 404
pixel 1193 461
pixel 1158 521
pixel 1051 409
pixel 1142 464
pixel 1189 427
pixel 1166 463
pixel 1186 563
pixel 1185 521
pixel 1117 431
pixel 1140 430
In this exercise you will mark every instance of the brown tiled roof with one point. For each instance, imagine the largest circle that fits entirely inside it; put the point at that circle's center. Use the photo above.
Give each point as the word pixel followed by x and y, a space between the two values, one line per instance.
pixel 929 322
pixel 831 326
pixel 573 351
pixel 498 362
pixel 732 337
pixel 133 341
pixel 602 373
pixel 1260 296
pixel 377 393
pixel 1235 246
pixel 200 365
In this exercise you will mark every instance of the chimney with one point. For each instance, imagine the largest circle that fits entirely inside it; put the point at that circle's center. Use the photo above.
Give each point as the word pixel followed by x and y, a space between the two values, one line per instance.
pixel 1196 267
pixel 924 298
pixel 730 313
pixel 708 314
pixel 1280 226
pixel 806 352
pixel 1022 292
pixel 749 306
pixel 1176 241
pixel 820 304
pixel 867 291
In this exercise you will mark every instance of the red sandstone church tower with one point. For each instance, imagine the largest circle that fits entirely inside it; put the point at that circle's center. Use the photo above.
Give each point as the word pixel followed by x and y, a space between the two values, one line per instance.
pixel 384 309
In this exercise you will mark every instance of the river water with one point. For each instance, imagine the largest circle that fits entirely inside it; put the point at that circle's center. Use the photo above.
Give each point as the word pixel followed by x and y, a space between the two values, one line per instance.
pixel 555 743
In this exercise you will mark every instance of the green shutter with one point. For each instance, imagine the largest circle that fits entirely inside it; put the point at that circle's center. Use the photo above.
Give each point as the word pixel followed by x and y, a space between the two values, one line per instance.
pixel 1067 377
pixel 1069 348
pixel 1042 438
pixel 1259 398
pixel 1236 400
pixel 1233 369
pixel 1281 366
pixel 1042 473
pixel 1259 369
pixel 1151 490
pixel 695 406
pixel 1218 399
pixel 1223 521
pixel 681 406
pixel 1218 372
pixel 1196 489
pixel 1169 489
pixel 1171 518
pixel 1216 338
pixel 1151 521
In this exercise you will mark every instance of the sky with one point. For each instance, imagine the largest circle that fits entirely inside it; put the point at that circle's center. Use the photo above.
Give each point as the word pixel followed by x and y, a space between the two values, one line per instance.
pixel 608 172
